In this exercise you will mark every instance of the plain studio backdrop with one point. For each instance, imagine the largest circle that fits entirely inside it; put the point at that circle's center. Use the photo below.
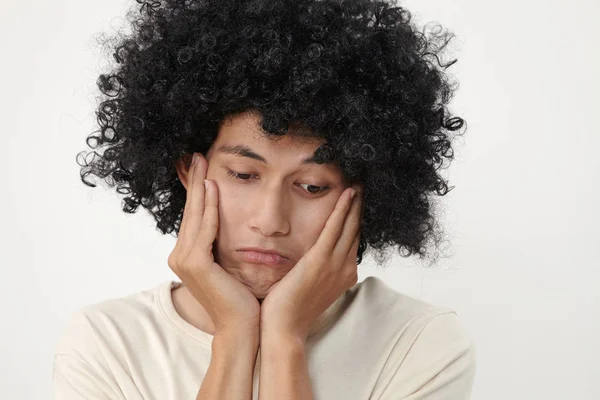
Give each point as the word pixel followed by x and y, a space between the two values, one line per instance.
pixel 523 217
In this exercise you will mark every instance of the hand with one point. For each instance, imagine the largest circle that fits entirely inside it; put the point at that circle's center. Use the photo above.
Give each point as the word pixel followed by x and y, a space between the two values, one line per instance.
pixel 229 303
pixel 323 274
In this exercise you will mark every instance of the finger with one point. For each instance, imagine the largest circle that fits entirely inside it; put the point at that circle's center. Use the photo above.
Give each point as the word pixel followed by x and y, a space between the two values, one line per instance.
pixel 210 219
pixel 333 227
pixel 351 226
pixel 187 201
pixel 194 204
pixel 353 253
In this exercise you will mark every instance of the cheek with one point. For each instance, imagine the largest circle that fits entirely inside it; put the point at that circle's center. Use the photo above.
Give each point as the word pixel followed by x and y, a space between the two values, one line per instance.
pixel 310 219
pixel 232 215
pixel 229 197
pixel 232 203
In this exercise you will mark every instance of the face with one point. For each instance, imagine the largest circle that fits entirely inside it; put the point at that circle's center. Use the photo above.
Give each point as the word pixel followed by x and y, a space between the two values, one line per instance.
pixel 276 203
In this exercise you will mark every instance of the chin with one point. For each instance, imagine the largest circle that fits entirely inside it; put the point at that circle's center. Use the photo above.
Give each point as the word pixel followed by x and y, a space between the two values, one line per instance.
pixel 260 294
pixel 260 288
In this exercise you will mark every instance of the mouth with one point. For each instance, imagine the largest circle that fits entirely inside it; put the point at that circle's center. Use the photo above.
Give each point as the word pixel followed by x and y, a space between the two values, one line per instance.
pixel 262 256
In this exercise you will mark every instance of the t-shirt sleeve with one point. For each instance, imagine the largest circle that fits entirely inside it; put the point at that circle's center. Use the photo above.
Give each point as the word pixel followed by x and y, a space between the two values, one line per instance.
pixel 439 365
pixel 79 369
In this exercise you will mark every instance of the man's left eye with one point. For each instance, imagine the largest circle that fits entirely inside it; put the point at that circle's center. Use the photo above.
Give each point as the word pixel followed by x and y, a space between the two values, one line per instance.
pixel 319 189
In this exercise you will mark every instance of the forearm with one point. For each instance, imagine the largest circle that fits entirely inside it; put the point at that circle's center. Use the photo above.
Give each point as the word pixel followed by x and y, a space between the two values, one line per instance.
pixel 231 369
pixel 283 369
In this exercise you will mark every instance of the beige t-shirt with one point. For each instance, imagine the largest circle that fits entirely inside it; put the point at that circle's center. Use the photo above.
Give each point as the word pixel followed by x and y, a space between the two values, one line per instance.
pixel 372 343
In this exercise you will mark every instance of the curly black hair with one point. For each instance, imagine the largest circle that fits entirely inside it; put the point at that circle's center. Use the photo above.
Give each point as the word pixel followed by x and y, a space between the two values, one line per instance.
pixel 355 72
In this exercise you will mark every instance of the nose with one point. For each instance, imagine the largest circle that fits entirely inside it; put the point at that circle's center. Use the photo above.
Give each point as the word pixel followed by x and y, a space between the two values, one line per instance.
pixel 270 213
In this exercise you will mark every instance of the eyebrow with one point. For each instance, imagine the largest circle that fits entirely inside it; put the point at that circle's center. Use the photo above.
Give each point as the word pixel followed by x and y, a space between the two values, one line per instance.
pixel 245 151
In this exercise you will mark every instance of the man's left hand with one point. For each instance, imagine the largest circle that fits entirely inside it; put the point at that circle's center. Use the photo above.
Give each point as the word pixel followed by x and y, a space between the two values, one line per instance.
pixel 323 274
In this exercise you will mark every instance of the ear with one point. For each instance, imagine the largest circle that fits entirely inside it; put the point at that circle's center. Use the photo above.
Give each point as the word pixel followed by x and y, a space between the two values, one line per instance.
pixel 183 169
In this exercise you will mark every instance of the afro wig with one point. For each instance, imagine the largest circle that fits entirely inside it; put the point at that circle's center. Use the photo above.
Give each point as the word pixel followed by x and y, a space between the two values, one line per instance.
pixel 355 72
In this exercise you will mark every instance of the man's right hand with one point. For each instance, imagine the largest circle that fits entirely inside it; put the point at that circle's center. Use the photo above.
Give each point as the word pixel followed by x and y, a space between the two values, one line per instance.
pixel 229 303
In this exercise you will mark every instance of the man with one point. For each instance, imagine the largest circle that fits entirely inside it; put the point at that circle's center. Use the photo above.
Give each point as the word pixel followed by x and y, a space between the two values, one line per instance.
pixel 301 159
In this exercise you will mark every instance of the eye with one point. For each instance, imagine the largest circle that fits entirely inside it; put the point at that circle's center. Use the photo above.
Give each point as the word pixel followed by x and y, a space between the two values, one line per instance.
pixel 311 189
pixel 239 176
pixel 319 189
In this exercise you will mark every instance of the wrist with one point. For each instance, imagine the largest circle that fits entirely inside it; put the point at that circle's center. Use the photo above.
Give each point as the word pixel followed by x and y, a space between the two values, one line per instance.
pixel 236 339
pixel 279 337
pixel 275 348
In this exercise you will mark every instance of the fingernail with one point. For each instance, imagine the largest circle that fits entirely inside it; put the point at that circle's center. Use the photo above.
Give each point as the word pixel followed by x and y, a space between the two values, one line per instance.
pixel 194 159
pixel 206 184
pixel 352 193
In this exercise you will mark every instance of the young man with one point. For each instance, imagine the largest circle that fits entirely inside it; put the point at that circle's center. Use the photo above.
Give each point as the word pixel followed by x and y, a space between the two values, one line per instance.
pixel 278 140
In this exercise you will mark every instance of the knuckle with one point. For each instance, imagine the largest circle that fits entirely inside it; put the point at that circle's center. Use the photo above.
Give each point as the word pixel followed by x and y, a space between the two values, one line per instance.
pixel 213 225
pixel 338 231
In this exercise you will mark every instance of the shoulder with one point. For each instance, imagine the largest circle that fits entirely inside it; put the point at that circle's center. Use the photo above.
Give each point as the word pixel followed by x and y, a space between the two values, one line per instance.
pixel 422 339
pixel 381 303
pixel 406 327
pixel 94 326
pixel 91 355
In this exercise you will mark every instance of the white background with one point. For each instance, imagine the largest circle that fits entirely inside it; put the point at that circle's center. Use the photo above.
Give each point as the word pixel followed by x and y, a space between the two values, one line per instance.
pixel 524 228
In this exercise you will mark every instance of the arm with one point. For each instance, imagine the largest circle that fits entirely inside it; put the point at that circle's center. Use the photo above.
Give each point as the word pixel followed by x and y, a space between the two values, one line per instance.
pixel 231 369
pixel 283 369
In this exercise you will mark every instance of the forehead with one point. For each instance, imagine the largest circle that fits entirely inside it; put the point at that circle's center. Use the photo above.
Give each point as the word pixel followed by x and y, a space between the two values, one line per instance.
pixel 242 135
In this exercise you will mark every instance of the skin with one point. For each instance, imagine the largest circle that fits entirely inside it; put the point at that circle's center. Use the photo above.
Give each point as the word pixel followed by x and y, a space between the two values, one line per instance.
pixel 247 304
